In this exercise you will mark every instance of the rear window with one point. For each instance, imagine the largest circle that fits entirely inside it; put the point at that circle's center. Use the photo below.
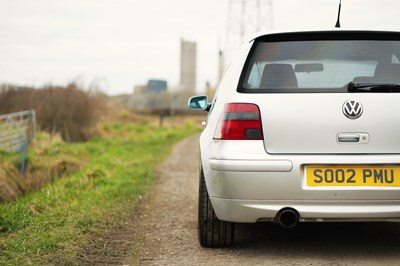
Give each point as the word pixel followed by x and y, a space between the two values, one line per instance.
pixel 319 65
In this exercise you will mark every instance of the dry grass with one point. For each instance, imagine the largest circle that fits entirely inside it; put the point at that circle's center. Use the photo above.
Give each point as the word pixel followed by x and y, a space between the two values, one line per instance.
pixel 69 111
pixel 12 184
pixel 47 161
pixel 69 114
pixel 54 224
pixel 42 167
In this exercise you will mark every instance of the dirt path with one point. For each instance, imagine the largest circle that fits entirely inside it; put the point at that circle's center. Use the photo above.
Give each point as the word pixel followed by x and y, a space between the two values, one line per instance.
pixel 168 225
pixel 165 230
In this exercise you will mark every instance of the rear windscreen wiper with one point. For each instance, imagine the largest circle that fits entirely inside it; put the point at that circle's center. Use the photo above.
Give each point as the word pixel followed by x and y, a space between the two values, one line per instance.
pixel 373 87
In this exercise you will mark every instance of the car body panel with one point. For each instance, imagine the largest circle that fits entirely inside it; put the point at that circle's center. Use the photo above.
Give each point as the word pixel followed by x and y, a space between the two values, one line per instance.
pixel 250 211
pixel 252 180
pixel 310 123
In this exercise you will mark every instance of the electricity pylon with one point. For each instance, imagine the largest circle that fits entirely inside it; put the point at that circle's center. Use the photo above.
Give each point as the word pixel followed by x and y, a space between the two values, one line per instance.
pixel 246 17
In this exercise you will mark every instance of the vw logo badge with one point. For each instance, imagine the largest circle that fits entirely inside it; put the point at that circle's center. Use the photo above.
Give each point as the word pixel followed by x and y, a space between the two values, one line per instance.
pixel 352 109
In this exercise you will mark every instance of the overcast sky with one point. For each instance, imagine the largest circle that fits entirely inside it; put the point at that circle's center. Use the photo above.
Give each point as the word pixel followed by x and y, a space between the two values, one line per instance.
pixel 122 43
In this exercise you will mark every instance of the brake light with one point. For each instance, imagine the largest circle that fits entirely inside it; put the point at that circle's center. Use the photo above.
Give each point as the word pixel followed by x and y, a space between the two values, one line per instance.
pixel 239 121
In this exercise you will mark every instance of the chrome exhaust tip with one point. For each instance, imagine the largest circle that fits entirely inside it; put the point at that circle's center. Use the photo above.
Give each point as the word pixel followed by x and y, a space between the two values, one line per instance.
pixel 288 218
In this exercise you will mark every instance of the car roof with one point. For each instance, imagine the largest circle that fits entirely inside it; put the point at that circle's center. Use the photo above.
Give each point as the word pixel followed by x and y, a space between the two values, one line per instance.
pixel 335 31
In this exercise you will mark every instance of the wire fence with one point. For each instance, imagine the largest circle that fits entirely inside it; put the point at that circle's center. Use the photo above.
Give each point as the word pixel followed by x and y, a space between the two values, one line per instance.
pixel 17 130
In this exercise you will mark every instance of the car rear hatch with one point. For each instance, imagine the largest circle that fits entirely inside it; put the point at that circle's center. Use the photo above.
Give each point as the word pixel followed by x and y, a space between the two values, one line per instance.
pixel 317 123
pixel 326 92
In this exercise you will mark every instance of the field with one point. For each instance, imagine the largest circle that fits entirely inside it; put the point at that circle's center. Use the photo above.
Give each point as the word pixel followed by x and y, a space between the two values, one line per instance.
pixel 93 184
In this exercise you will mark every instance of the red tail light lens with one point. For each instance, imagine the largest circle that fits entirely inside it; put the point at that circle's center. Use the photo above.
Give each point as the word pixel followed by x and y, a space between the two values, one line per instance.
pixel 239 121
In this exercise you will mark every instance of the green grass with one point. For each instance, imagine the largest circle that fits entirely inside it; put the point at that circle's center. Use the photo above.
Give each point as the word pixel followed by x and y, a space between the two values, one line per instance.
pixel 50 226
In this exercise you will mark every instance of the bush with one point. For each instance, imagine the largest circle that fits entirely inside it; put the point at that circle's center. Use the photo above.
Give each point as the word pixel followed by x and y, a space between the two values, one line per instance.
pixel 69 111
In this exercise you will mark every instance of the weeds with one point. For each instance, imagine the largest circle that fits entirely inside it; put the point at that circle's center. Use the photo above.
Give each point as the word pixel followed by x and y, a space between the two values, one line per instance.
pixel 52 225
pixel 68 111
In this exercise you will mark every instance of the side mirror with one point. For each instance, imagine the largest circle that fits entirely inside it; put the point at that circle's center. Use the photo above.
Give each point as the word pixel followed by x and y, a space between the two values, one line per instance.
pixel 199 103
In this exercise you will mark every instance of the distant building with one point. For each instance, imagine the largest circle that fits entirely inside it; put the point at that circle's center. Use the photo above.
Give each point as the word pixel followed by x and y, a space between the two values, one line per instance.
pixel 152 96
pixel 156 86
pixel 220 65
pixel 139 89
pixel 210 91
pixel 188 65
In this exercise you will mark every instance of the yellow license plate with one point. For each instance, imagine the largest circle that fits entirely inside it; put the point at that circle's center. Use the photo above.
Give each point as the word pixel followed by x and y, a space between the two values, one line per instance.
pixel 353 175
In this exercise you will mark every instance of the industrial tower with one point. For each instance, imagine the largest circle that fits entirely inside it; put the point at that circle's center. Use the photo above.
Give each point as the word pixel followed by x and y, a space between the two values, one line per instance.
pixel 188 65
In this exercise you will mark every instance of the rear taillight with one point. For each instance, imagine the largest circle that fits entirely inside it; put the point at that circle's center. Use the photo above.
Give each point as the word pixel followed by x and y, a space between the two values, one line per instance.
pixel 239 121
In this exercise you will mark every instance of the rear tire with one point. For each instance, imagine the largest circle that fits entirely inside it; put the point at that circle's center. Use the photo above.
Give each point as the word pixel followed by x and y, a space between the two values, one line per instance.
pixel 212 231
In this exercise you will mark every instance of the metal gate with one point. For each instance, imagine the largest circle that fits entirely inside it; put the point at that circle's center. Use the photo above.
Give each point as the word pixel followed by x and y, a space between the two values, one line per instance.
pixel 16 130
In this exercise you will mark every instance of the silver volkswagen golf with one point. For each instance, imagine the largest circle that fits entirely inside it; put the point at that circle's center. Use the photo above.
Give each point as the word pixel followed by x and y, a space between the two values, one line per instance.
pixel 304 127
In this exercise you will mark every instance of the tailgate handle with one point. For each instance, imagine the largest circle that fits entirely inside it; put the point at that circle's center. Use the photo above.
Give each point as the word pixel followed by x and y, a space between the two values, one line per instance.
pixel 348 138
pixel 362 138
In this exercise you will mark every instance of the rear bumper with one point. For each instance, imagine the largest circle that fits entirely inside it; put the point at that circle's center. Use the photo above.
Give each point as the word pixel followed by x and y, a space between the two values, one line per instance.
pixel 251 211
pixel 255 191
pixel 246 184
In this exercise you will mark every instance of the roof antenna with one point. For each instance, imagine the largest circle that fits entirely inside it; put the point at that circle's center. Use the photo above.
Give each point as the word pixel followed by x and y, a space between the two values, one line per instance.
pixel 338 17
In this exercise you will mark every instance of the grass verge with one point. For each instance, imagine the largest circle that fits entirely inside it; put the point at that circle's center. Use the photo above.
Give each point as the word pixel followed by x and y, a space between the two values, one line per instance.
pixel 50 226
